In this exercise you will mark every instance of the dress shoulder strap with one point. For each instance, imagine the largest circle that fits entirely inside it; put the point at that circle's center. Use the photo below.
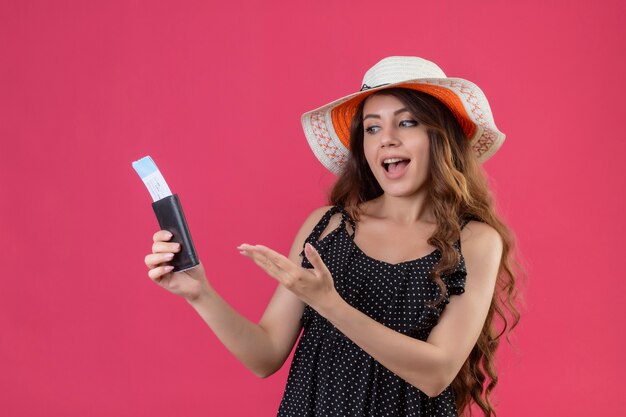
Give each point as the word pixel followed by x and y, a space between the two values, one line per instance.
pixel 323 223
pixel 463 222
pixel 468 218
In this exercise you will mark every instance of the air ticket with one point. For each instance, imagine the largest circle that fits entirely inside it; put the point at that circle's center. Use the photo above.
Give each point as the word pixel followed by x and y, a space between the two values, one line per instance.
pixel 152 178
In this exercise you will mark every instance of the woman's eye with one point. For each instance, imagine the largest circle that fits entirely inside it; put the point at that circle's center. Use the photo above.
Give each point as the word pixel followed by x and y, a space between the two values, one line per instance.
pixel 408 123
pixel 372 129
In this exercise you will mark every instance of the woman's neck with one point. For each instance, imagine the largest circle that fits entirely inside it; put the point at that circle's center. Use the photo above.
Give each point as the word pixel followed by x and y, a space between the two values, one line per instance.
pixel 402 210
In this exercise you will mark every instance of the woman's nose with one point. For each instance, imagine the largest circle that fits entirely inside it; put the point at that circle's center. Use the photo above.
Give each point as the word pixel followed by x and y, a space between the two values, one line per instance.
pixel 389 138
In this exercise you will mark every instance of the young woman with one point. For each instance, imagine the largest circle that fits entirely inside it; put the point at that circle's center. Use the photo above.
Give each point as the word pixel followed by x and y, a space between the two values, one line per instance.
pixel 371 277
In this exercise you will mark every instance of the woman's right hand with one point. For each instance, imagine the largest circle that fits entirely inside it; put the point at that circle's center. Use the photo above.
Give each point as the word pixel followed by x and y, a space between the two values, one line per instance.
pixel 189 284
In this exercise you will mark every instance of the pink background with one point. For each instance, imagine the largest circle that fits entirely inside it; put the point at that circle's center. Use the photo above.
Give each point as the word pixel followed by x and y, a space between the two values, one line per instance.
pixel 213 91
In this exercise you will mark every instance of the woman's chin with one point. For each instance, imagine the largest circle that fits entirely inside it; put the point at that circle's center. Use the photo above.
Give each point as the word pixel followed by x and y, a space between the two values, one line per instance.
pixel 403 190
pixel 399 192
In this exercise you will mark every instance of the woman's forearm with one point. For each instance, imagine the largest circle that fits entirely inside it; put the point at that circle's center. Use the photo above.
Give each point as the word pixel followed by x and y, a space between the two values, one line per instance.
pixel 419 363
pixel 248 341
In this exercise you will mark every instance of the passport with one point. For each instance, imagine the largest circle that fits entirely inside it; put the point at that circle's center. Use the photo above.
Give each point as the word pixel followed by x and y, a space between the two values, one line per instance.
pixel 169 213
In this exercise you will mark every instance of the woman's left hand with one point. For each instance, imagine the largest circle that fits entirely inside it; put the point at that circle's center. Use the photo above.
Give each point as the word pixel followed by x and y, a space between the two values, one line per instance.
pixel 313 286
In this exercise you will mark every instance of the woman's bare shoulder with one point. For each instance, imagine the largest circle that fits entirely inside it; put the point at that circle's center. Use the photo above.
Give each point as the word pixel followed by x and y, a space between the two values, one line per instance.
pixel 481 245
pixel 316 216
pixel 319 212
pixel 479 231
pixel 309 224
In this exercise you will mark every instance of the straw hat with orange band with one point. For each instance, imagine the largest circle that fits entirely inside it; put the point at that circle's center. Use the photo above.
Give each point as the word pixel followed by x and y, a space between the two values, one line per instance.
pixel 328 128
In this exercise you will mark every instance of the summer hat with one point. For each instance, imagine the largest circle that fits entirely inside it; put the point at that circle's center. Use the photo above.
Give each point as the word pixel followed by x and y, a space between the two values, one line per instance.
pixel 327 128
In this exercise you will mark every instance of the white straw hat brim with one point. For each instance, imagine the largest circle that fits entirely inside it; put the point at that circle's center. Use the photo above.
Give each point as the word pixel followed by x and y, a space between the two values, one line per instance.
pixel 327 128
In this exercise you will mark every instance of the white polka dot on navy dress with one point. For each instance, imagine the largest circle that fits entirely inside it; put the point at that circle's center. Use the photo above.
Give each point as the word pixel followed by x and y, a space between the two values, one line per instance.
pixel 332 376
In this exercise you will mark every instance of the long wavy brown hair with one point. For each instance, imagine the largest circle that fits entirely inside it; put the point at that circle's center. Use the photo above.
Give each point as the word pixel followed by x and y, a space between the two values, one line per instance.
pixel 458 189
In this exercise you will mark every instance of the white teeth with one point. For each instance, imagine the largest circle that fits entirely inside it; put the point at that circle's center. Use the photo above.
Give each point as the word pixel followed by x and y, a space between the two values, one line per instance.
pixel 392 160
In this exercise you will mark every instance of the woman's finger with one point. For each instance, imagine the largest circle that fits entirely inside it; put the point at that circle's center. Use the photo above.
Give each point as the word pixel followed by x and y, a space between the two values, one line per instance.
pixel 281 261
pixel 314 258
pixel 157 273
pixel 154 259
pixel 162 235
pixel 268 260
pixel 267 266
pixel 160 247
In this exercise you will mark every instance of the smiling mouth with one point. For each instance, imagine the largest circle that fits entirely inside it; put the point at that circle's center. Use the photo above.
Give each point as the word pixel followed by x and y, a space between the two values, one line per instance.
pixel 396 165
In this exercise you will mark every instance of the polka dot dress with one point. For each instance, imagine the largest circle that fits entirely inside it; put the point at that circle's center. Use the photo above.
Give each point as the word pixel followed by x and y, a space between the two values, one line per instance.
pixel 332 376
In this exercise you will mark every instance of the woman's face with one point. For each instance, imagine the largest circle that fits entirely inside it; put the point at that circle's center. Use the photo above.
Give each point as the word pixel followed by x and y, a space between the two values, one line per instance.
pixel 396 146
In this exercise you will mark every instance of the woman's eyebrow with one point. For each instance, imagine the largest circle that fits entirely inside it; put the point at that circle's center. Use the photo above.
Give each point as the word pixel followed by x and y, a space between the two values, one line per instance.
pixel 395 113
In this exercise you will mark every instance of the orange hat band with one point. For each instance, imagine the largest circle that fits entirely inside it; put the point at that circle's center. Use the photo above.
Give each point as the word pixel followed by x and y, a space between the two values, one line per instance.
pixel 342 114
